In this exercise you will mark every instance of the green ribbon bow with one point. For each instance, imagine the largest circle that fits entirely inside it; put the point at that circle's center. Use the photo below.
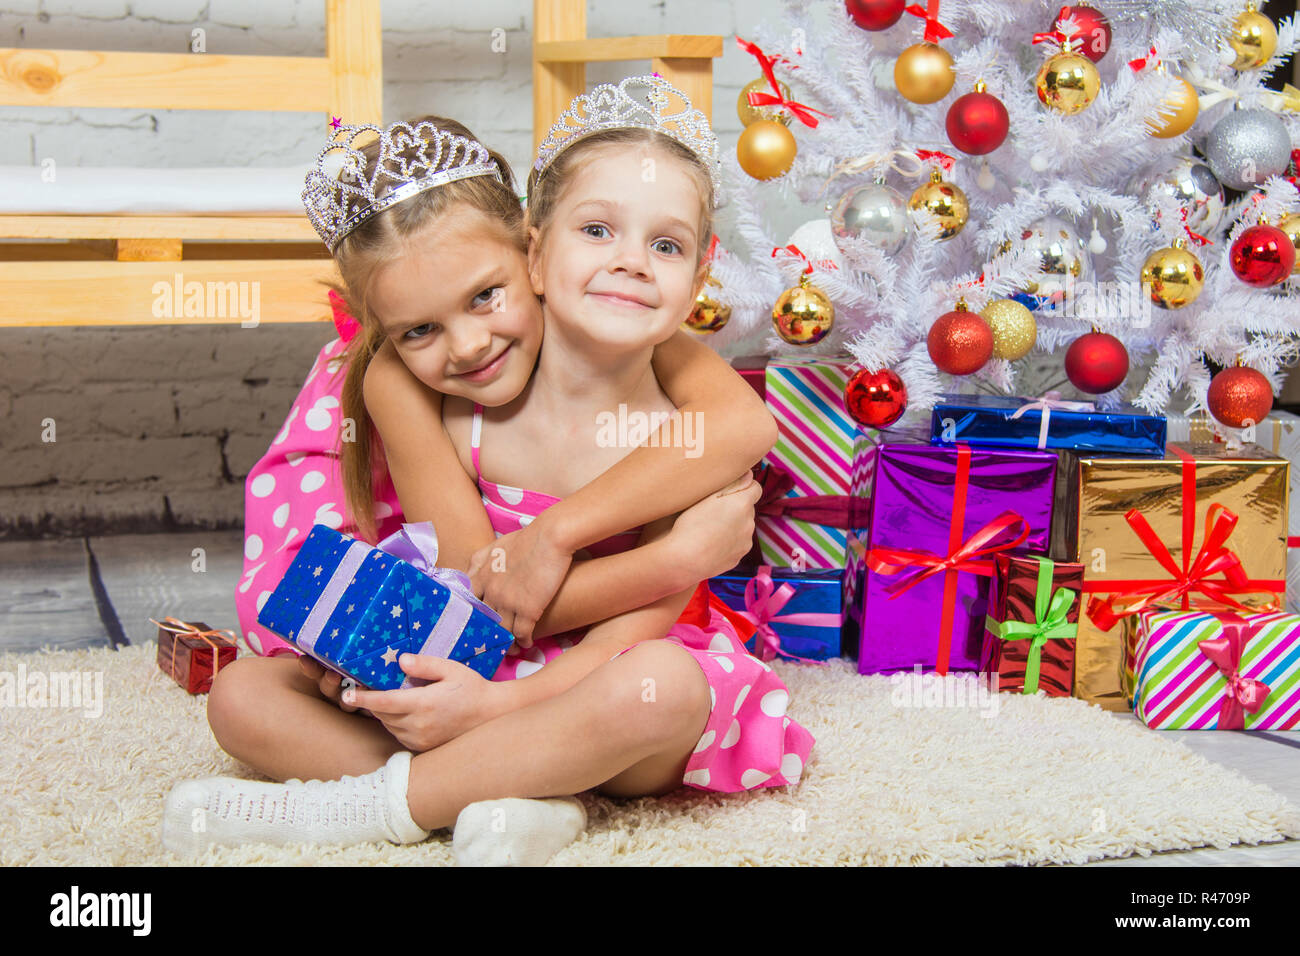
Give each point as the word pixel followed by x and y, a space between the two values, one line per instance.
pixel 1050 609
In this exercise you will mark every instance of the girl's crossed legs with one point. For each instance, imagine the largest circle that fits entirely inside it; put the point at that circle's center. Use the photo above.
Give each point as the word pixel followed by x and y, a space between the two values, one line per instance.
pixel 601 733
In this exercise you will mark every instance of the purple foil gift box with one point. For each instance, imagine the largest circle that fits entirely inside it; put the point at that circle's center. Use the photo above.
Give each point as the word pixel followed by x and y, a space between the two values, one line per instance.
pixel 937 517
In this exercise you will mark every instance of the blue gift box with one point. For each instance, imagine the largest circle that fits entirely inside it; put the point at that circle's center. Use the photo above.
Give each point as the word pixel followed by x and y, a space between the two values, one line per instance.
pixel 357 608
pixel 988 420
pixel 780 601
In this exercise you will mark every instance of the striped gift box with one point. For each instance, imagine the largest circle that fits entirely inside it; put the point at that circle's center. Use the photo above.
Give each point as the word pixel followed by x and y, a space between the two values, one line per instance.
pixel 816 447
pixel 1280 434
pixel 1180 688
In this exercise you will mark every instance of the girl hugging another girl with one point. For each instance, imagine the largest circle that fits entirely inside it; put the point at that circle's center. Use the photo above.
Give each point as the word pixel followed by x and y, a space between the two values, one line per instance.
pixel 496 356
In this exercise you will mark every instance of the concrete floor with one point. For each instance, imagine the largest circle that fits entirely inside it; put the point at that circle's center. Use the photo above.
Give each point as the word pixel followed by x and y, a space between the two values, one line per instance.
pixel 47 598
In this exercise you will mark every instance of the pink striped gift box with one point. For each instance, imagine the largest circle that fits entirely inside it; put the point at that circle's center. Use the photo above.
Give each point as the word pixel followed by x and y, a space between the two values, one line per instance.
pixel 819 448
pixel 1199 670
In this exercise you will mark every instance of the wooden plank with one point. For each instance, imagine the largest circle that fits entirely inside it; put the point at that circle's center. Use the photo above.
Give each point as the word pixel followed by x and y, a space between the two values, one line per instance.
pixel 167 81
pixel 148 250
pixel 555 84
pixel 354 49
pixel 248 228
pixel 224 292
pixel 46 599
pixel 694 77
pixel 602 49
pixel 156 575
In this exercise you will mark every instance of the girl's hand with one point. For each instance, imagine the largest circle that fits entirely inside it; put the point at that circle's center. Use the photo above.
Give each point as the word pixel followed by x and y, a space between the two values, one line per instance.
pixel 327 680
pixel 713 535
pixel 422 718
pixel 517 575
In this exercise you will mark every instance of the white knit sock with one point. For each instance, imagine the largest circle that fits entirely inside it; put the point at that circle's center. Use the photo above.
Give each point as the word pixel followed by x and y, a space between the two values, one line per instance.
pixel 515 832
pixel 228 811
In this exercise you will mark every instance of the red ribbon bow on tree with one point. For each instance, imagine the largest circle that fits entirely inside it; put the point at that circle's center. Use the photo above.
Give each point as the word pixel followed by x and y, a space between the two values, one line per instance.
pixel 934 30
pixel 1242 693
pixel 938 157
pixel 1140 63
pixel 794 252
pixel 765 63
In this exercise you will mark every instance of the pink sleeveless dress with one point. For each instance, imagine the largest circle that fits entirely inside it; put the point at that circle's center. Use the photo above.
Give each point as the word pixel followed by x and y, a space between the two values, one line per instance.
pixel 749 741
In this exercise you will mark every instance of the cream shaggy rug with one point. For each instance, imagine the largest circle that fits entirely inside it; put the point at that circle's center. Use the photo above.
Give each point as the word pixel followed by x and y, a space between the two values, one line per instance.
pixel 1034 781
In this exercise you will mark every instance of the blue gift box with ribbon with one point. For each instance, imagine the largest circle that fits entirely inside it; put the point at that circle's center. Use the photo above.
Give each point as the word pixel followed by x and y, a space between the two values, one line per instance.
pixel 356 608
pixel 797 614
pixel 1046 422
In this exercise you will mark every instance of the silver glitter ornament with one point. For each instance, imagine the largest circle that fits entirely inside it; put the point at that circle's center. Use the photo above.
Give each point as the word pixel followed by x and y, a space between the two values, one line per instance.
pixel 1188 182
pixel 1246 147
pixel 875 214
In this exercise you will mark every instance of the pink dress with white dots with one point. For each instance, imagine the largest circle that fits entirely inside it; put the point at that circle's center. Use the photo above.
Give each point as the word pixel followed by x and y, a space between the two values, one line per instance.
pixel 749 742
pixel 297 484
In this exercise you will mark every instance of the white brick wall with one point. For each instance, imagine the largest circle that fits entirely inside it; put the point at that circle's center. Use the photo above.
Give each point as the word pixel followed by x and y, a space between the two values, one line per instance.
pixel 158 426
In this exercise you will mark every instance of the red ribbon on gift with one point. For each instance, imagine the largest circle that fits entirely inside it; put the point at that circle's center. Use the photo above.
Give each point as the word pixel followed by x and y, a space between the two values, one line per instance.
pixel 765 62
pixel 1242 693
pixel 934 30
pixel 970 556
pixel 344 321
pixel 1213 558
pixel 763 603
pixel 183 629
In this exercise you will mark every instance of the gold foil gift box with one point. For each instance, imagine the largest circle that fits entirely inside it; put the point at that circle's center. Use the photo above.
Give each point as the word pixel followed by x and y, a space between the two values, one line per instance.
pixel 1205 527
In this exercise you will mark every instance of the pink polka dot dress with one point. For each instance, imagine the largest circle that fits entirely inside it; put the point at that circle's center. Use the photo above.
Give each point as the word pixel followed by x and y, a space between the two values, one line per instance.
pixel 297 484
pixel 749 741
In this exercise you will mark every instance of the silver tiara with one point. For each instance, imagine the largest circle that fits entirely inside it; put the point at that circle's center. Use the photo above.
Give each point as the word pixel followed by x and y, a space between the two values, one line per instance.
pixel 615 107
pixel 412 158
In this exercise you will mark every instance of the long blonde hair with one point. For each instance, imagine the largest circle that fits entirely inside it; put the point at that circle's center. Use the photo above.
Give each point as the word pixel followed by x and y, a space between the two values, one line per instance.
pixel 359 256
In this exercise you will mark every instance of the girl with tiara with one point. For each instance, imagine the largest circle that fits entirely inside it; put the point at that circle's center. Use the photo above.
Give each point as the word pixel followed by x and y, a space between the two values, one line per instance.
pixel 621 203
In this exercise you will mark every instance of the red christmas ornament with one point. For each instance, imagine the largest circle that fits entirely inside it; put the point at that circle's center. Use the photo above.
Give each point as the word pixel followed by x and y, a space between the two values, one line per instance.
pixel 1262 255
pixel 1092 38
pixel 1239 396
pixel 875 399
pixel 960 342
pixel 1096 363
pixel 875 14
pixel 977 122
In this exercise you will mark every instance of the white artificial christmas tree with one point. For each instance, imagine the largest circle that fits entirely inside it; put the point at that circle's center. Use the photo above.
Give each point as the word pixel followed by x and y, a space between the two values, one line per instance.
pixel 1092 169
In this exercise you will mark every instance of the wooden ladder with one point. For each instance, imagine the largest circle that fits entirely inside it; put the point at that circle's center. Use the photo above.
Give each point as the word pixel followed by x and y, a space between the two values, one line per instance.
pixel 562 50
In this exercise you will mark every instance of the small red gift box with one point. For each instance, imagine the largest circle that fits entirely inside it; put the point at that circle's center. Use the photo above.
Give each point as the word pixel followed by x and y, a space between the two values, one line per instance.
pixel 191 654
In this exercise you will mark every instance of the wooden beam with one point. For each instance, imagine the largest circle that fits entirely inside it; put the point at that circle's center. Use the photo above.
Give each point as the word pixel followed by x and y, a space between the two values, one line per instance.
pixel 555 84
pixel 168 81
pixel 248 228
pixel 148 250
pixel 355 51
pixel 628 48
pixel 693 76
pixel 146 293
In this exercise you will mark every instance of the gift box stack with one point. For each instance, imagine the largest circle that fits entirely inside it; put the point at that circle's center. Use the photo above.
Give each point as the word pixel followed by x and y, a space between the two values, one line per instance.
pixel 797 584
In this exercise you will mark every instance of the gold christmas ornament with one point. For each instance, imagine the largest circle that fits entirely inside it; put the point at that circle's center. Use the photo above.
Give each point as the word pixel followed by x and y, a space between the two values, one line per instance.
pixel 1068 82
pixel 1173 277
pixel 751 114
pixel 944 201
pixel 1176 113
pixel 1014 328
pixel 803 315
pixel 766 149
pixel 708 314
pixel 1290 224
pixel 923 73
pixel 1253 38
